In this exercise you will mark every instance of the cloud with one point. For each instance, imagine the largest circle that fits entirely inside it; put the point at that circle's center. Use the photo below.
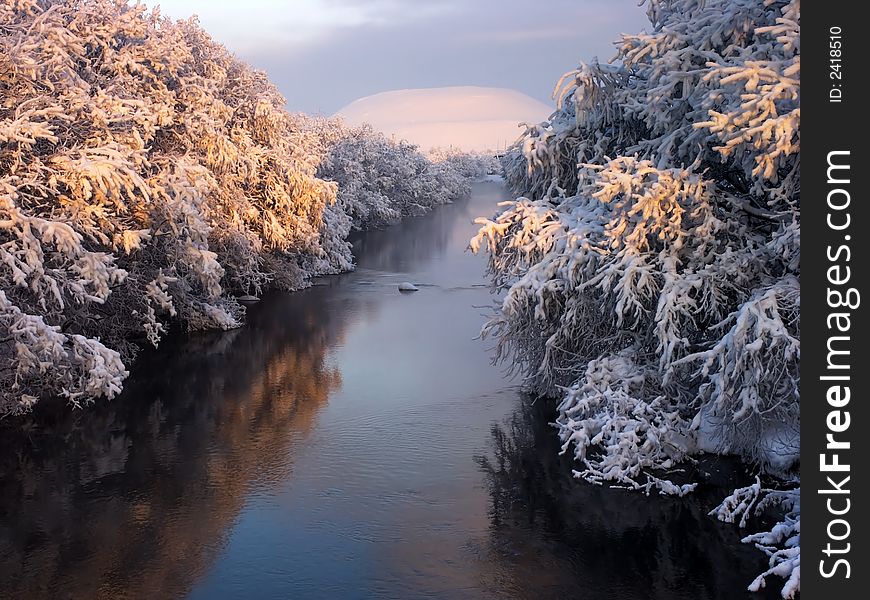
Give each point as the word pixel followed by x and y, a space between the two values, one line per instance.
pixel 323 54
pixel 516 35
pixel 397 12
pixel 255 25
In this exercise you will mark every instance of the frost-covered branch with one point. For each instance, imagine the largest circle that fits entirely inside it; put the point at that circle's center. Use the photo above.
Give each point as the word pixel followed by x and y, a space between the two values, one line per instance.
pixel 650 263
pixel 146 175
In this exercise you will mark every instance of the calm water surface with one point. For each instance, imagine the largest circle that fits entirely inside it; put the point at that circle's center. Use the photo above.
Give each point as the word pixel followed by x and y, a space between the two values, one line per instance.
pixel 350 442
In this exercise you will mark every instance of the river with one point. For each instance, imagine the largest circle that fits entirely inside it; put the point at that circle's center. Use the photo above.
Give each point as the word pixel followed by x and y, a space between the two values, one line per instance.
pixel 351 441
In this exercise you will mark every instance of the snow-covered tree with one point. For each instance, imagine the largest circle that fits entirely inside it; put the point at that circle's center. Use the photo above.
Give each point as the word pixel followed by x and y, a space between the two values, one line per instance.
pixel 471 164
pixel 147 174
pixel 650 264
pixel 379 182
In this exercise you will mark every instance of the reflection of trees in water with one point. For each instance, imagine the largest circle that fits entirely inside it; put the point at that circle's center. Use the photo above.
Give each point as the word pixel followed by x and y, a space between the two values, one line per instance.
pixel 605 543
pixel 417 240
pixel 133 498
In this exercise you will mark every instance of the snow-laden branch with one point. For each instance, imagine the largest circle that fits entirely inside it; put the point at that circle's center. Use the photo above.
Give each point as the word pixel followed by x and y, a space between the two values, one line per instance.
pixel 650 265
pixel 146 174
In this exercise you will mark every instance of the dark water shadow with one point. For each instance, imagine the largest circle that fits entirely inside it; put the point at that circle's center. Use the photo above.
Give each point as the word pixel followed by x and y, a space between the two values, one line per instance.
pixel 416 241
pixel 132 498
pixel 560 537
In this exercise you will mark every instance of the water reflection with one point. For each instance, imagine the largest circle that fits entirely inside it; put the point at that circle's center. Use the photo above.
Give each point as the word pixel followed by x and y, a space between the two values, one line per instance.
pixel 326 450
pixel 134 498
pixel 557 537
pixel 415 242
pixel 136 494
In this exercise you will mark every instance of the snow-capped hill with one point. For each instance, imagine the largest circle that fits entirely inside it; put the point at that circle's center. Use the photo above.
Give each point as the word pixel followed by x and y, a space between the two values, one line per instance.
pixel 467 117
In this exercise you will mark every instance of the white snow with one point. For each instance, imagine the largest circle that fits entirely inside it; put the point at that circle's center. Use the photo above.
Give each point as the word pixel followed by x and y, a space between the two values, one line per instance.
pixel 470 118
pixel 251 197
pixel 659 302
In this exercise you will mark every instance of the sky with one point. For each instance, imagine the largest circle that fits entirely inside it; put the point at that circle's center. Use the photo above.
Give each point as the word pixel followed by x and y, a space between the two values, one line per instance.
pixel 323 54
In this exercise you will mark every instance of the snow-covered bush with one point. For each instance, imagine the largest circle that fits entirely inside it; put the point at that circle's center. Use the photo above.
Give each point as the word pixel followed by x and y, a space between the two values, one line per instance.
pixel 147 174
pixel 470 164
pixel 650 265
pixel 380 180
pixel 144 173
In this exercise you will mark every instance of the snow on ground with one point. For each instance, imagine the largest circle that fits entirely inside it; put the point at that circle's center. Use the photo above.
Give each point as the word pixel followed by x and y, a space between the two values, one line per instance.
pixel 468 117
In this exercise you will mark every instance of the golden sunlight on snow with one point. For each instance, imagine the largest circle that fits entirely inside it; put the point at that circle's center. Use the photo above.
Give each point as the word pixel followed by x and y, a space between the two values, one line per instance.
pixel 468 117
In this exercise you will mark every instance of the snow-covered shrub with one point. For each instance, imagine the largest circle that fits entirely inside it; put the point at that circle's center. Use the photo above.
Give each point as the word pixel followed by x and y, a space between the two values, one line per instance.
pixel 147 174
pixel 476 165
pixel 380 180
pixel 650 264
pixel 144 173
pixel 782 542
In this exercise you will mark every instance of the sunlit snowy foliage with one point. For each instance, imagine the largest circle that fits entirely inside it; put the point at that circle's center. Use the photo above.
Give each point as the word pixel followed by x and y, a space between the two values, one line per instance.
pixel 650 265
pixel 146 174
pixel 381 180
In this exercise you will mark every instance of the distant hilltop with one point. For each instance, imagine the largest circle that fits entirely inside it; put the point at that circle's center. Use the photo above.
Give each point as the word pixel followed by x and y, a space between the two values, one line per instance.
pixel 467 117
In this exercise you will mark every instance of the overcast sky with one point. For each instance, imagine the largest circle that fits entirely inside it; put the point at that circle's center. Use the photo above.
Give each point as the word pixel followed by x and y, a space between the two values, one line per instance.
pixel 323 54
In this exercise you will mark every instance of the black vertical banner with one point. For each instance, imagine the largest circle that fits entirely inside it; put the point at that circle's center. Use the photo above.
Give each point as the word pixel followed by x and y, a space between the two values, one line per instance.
pixel 835 234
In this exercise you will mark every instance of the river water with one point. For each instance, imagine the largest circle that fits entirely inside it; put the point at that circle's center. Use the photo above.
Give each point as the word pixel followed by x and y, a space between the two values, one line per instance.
pixel 351 441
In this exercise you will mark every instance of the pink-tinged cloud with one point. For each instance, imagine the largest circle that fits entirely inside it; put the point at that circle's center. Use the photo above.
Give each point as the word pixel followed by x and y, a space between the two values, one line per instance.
pixel 467 117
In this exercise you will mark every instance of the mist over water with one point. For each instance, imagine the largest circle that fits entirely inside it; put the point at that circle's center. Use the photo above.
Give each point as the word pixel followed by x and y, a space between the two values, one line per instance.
pixel 351 441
